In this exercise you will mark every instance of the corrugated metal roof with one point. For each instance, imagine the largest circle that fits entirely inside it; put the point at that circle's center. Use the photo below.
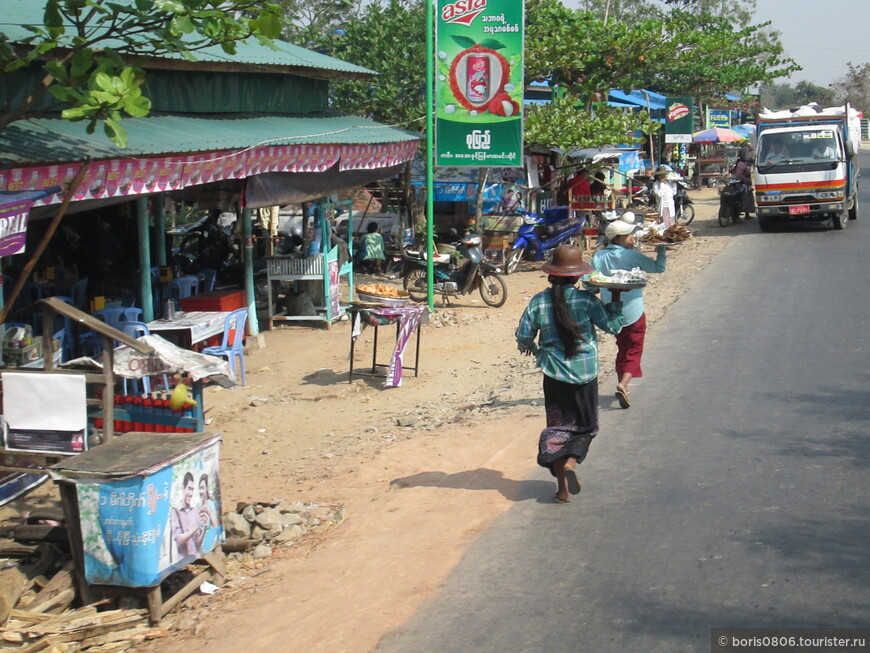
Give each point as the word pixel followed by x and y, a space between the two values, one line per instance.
pixel 18 13
pixel 48 140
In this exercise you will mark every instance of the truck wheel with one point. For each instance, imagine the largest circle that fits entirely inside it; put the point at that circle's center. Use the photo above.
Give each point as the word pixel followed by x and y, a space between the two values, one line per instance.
pixel 855 210
pixel 838 220
pixel 765 224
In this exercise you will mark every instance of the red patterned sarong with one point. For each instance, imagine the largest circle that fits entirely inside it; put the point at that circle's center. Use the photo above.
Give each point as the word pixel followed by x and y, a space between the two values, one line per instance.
pixel 629 342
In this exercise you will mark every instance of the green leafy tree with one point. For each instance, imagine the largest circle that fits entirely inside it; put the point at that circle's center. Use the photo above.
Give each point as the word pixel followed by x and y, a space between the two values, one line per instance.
pixel 567 124
pixel 316 24
pixel 389 38
pixel 784 95
pixel 707 57
pixel 854 87
pixel 89 50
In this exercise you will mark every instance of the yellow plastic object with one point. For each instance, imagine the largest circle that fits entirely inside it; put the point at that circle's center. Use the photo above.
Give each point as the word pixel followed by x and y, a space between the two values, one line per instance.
pixel 181 397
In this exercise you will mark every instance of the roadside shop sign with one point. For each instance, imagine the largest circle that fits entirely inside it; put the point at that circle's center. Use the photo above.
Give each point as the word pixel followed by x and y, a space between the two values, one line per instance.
pixel 479 83
pixel 679 119
pixel 13 226
pixel 718 118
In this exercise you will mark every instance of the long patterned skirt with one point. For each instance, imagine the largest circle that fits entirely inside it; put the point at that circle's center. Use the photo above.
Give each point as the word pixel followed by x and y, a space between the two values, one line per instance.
pixel 572 421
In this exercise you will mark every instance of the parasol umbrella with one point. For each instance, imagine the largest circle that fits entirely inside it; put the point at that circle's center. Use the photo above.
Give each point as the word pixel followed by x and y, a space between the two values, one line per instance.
pixel 717 135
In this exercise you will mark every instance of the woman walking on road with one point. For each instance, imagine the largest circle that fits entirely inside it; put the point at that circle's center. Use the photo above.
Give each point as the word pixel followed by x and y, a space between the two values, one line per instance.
pixel 563 319
pixel 621 255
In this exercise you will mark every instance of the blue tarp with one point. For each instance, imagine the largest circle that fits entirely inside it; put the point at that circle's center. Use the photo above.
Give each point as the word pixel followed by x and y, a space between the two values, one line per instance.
pixel 644 99
pixel 32 195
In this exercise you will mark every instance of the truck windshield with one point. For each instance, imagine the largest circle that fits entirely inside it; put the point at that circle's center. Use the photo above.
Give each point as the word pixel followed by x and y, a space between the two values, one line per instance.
pixel 799 148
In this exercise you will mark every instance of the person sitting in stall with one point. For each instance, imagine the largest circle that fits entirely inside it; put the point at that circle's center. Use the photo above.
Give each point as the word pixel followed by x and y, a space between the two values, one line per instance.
pixel 372 249
pixel 580 193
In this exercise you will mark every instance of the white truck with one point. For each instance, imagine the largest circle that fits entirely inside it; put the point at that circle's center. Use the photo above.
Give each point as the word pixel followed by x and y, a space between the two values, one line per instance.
pixel 806 165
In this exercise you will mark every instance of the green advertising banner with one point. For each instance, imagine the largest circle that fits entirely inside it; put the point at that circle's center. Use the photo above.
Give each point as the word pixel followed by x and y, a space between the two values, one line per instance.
pixel 479 83
pixel 679 121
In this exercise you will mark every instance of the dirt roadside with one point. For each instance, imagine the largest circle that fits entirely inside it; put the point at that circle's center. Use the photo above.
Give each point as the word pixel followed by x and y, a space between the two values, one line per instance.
pixel 416 496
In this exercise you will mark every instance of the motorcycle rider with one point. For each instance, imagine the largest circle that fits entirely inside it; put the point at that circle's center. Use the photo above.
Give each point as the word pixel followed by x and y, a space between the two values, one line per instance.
pixel 742 173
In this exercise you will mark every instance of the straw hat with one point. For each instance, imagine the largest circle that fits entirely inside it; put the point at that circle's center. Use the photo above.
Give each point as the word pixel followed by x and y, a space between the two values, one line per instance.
pixel 567 262
pixel 619 228
pixel 661 170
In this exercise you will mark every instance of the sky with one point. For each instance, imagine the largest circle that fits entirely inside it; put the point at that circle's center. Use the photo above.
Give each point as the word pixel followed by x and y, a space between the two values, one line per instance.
pixel 820 35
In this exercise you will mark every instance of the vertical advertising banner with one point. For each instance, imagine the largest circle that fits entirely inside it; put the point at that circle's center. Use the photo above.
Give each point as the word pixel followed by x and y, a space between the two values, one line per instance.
pixel 479 83
pixel 678 120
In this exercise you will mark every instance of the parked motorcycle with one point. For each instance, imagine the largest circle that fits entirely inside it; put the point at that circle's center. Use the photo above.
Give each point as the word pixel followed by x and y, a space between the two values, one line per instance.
pixel 685 209
pixel 537 236
pixel 452 279
pixel 683 206
pixel 730 200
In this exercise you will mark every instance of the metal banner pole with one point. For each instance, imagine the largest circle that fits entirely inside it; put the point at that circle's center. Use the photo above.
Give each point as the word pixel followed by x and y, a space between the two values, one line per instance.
pixel 430 131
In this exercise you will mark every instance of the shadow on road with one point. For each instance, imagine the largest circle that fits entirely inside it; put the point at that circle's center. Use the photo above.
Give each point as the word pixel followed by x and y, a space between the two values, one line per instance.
pixel 481 479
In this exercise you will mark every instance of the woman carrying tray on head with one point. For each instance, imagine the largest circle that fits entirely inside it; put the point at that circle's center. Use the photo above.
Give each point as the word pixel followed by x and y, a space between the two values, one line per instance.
pixel 621 255
pixel 563 319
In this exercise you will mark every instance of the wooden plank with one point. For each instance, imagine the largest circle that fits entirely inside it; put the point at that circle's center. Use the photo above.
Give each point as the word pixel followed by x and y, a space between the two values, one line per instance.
pixel 47 599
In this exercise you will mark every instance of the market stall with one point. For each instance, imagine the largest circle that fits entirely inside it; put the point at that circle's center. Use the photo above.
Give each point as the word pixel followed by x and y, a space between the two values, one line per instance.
pixel 313 279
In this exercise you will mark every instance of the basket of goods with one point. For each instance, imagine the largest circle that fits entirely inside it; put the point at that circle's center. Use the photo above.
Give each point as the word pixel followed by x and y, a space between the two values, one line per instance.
pixel 673 235
pixel 382 294
pixel 619 279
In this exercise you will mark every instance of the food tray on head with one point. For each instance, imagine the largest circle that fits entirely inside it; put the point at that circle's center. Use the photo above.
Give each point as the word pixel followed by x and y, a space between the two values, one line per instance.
pixel 617 285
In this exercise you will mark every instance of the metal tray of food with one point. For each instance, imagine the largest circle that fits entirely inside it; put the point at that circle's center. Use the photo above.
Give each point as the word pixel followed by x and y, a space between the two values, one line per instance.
pixel 614 285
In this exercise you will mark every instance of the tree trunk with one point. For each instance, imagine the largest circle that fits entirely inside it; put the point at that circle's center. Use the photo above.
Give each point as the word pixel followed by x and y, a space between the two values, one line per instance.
pixel 474 222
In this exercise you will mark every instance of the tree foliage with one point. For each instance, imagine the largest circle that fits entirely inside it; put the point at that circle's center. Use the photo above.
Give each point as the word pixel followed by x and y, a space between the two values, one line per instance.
pixel 784 95
pixel 89 50
pixel 854 87
pixel 567 125
pixel 702 48
pixel 389 38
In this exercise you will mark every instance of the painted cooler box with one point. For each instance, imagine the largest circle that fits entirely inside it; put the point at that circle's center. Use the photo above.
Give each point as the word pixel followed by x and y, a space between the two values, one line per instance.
pixel 148 505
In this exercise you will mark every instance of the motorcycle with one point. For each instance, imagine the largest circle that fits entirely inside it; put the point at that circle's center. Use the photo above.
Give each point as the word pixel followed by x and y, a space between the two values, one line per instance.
pixel 731 198
pixel 472 273
pixel 685 210
pixel 683 206
pixel 537 235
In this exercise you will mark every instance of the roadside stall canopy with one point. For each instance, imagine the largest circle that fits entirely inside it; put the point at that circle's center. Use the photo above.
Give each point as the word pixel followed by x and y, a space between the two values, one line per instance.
pixel 639 98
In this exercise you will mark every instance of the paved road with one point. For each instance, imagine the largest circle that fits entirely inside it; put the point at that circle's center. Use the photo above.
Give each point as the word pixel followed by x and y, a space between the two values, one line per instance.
pixel 733 493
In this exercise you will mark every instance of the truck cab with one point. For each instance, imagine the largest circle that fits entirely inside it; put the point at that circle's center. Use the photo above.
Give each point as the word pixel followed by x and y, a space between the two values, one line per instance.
pixel 805 169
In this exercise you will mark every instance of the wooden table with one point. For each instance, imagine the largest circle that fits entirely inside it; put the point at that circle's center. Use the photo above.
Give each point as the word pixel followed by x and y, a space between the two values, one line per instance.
pixel 190 328
pixel 407 320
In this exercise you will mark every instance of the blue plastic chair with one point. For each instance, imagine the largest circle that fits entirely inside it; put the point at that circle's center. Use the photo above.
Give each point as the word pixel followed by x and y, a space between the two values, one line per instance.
pixel 232 344
pixel 135 329
pixel 92 344
pixel 181 287
pixel 79 292
pixel 116 317
pixel 207 278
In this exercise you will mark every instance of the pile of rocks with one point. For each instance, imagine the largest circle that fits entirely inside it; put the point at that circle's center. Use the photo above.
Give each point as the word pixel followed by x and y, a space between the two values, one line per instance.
pixel 263 525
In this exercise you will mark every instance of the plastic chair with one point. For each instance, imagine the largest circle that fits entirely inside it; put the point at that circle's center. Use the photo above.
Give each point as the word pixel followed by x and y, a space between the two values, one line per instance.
pixel 116 317
pixel 92 344
pixel 232 344
pixel 134 329
pixel 181 287
pixel 207 278
pixel 79 292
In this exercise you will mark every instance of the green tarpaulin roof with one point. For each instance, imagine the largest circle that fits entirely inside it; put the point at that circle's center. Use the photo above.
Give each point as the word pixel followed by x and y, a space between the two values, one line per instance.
pixel 49 140
pixel 15 14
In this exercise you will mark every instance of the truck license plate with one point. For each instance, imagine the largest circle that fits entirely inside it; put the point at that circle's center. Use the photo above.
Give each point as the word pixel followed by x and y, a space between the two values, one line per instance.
pixel 799 210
